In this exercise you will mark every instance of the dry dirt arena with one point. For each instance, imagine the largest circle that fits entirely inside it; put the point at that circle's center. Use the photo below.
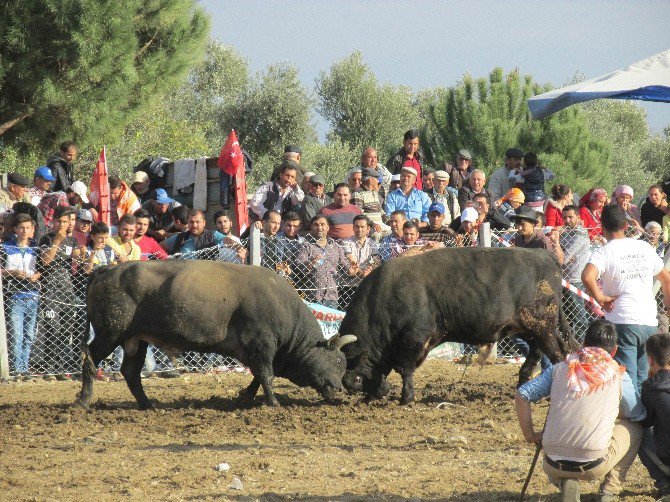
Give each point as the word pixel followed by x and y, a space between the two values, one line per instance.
pixel 458 442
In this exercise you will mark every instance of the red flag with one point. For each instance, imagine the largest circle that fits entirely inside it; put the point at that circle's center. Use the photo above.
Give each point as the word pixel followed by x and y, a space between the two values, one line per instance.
pixel 230 160
pixel 241 210
pixel 100 185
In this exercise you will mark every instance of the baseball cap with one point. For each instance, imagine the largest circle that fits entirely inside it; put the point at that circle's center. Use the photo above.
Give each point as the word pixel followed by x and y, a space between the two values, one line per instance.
pixel 162 197
pixel 85 215
pixel 79 188
pixel 469 214
pixel 45 173
pixel 140 177
pixel 436 206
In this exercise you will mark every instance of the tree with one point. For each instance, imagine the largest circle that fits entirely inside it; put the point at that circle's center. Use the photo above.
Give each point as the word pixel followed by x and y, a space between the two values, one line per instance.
pixel 274 109
pixel 361 111
pixel 487 116
pixel 212 90
pixel 83 69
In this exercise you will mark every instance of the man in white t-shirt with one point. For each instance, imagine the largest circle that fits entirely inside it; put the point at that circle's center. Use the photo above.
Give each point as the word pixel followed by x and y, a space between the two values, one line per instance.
pixel 627 268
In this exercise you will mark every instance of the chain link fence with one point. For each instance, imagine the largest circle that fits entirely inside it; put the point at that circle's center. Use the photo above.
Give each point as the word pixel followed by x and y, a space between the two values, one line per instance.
pixel 45 313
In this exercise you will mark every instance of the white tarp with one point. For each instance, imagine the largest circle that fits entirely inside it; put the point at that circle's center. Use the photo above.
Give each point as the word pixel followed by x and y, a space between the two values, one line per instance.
pixel 647 80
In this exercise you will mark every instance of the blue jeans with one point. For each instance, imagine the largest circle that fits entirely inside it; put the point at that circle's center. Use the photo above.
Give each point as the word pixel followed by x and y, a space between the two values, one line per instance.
pixel 525 348
pixel 23 317
pixel 631 352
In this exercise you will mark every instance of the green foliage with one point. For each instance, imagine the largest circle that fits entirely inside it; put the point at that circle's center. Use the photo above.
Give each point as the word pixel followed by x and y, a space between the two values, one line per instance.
pixel 155 133
pixel 488 116
pixel 332 160
pixel 362 112
pixel 84 69
pixel 212 90
pixel 637 158
pixel 274 109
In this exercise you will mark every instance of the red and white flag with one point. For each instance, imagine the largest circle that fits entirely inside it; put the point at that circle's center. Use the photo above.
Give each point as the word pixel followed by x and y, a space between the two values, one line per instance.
pixel 100 185
pixel 230 159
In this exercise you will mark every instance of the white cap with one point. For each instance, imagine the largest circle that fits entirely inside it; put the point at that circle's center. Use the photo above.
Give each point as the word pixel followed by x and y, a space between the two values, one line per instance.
pixel 410 170
pixel 140 177
pixel 395 177
pixel 79 188
pixel 469 214
pixel 308 174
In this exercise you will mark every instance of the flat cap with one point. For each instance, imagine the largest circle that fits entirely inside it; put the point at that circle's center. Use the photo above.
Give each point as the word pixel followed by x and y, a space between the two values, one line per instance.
pixel 465 153
pixel 370 173
pixel 514 153
pixel 18 179
pixel 317 179
pixel 292 149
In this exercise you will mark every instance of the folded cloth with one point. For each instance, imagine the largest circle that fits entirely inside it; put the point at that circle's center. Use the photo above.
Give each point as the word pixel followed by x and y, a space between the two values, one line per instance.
pixel 200 188
pixel 184 175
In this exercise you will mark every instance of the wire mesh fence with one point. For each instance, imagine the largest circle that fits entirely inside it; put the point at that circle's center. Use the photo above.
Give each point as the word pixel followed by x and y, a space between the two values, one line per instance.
pixel 45 307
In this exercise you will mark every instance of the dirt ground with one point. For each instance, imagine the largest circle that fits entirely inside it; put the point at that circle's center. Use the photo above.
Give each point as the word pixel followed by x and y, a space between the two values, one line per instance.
pixel 469 449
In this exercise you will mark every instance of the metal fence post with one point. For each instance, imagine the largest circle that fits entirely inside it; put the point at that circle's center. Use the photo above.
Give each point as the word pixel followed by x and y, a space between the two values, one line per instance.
pixel 255 246
pixel 4 355
pixel 484 240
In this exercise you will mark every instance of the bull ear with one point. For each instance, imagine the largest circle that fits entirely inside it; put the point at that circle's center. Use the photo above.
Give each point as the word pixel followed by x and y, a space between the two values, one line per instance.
pixel 338 341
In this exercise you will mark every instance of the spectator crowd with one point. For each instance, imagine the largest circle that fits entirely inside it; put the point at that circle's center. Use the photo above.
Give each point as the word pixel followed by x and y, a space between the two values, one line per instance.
pixel 325 240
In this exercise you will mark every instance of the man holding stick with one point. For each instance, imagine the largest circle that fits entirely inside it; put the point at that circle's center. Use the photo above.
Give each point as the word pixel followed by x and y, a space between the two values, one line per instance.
pixel 592 428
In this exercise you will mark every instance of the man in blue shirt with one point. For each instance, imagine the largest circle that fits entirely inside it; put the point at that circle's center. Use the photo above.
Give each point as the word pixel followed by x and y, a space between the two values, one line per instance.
pixel 592 429
pixel 413 202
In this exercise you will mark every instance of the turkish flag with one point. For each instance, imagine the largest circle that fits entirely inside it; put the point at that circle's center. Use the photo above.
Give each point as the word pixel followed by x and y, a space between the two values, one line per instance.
pixel 100 185
pixel 230 160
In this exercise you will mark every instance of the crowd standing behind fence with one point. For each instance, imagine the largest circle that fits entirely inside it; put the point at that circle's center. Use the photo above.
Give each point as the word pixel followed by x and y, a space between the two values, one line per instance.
pixel 323 246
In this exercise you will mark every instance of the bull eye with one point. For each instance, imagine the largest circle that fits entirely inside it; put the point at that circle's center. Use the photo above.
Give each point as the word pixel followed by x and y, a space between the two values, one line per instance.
pixel 358 379
pixel 338 360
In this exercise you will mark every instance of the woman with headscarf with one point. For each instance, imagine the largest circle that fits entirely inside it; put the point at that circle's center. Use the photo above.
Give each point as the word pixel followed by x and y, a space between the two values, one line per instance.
pixel 507 204
pixel 561 196
pixel 590 210
pixel 623 197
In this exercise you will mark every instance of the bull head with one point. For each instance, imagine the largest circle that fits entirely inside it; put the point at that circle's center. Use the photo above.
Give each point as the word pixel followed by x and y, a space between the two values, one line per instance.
pixel 338 341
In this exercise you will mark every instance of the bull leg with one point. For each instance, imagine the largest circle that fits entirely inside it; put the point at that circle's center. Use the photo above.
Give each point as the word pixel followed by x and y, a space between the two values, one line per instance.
pixel 249 393
pixel 266 382
pixel 407 394
pixel 131 369
pixel 526 371
pixel 92 355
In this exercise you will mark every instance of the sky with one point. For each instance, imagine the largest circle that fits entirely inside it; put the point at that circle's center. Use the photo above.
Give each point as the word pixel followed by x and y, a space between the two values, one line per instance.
pixel 434 43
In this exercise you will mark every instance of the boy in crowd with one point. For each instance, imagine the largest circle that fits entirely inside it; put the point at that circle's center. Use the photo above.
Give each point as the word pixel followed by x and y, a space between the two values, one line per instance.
pixel 655 449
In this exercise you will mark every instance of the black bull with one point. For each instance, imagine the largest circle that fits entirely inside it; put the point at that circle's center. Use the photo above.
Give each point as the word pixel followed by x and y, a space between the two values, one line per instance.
pixel 476 296
pixel 249 313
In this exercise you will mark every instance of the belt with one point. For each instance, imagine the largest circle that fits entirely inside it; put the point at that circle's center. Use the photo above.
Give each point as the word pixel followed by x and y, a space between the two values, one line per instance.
pixel 572 466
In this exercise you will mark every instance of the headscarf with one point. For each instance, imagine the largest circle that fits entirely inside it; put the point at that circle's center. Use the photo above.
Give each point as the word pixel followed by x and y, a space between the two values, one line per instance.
pixel 623 189
pixel 592 194
pixel 513 195
pixel 590 369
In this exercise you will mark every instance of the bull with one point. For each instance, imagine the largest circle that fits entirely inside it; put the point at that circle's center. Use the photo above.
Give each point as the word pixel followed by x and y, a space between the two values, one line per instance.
pixel 249 313
pixel 409 305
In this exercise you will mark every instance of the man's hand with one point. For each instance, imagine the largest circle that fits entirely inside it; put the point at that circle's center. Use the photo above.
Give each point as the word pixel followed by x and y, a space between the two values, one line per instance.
pixel 534 437
pixel 258 225
pixel 377 227
pixel 606 302
pixel 35 277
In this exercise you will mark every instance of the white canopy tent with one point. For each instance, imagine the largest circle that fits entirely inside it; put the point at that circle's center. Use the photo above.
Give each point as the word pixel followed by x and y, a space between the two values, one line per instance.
pixel 647 80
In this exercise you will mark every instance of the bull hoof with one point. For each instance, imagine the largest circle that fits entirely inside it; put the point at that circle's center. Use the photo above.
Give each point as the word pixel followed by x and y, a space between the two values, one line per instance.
pixel 272 402
pixel 80 403
pixel 147 406
pixel 406 400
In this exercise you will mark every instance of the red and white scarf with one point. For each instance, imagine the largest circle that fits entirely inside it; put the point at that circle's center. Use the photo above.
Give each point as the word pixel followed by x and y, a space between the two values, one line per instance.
pixel 590 369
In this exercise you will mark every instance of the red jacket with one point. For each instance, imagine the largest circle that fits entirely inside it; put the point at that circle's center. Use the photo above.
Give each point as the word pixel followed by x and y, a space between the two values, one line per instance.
pixel 591 222
pixel 553 215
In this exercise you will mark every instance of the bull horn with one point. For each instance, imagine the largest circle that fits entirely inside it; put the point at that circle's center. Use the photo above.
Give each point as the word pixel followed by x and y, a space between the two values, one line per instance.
pixel 343 340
